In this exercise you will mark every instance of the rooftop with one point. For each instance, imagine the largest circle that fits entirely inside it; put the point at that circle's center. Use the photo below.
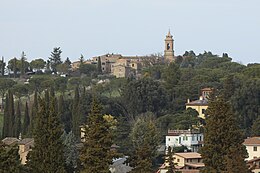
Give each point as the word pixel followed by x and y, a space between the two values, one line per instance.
pixel 10 140
pixel 26 141
pixel 252 141
pixel 198 102
pixel 189 155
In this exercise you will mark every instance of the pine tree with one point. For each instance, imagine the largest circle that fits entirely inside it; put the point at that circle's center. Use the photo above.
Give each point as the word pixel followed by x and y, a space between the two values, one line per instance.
pixel 47 154
pixel 26 122
pixel 96 154
pixel 18 123
pixel 145 140
pixel 55 58
pixel 223 150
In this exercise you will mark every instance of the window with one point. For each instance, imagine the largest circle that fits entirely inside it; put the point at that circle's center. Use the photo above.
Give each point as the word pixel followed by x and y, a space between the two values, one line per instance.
pixel 133 65
pixel 178 160
pixel 169 139
pixel 203 111
pixel 255 148
pixel 192 138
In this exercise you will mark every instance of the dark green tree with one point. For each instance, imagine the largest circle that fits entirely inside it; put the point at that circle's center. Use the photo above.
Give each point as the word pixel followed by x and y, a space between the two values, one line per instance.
pixel 169 160
pixel 223 135
pixel 37 64
pixel 81 59
pixel 71 153
pixel 5 84
pixel 26 120
pixel 76 114
pixel 47 154
pixel 22 64
pixel 17 121
pixel 2 66
pixel 10 159
pixel 145 139
pixel 99 65
pixel 255 129
pixel 55 59
pixel 96 154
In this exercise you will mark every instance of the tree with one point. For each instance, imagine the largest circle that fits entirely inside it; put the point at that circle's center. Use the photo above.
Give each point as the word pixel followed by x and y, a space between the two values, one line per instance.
pixel 47 153
pixel 255 129
pixel 55 59
pixel 223 135
pixel 169 160
pixel 87 69
pixel 22 65
pixel 5 84
pixel 37 64
pixel 76 114
pixel 81 59
pixel 99 65
pixel 12 65
pixel 26 121
pixel 20 90
pixel 70 152
pixel 2 66
pixel 17 121
pixel 96 154
pixel 145 139
pixel 10 159
pixel 9 116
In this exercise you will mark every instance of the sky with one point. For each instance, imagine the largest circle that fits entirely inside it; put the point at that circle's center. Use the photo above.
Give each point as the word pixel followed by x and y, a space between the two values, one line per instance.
pixel 129 27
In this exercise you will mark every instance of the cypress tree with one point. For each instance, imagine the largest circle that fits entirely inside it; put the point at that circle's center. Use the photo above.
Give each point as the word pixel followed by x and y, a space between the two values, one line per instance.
pixel 169 161
pixel 223 150
pixel 11 114
pixel 10 159
pixel 5 131
pixel 96 154
pixel 34 110
pixel 26 122
pixel 47 154
pixel 76 114
pixel 17 124
pixel 99 67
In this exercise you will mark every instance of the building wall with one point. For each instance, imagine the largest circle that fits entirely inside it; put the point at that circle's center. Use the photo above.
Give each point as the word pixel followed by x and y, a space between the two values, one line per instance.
pixel 179 160
pixel 200 109
pixel 184 139
pixel 251 153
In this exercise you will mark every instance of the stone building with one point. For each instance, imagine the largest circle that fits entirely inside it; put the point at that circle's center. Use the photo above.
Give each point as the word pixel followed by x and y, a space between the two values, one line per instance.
pixel 168 51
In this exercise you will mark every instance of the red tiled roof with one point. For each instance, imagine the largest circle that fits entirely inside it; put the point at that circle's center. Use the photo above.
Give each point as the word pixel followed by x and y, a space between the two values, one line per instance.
pixel 252 141
pixel 189 155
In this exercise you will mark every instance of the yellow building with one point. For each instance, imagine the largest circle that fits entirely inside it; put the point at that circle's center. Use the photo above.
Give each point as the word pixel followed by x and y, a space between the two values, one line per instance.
pixel 200 105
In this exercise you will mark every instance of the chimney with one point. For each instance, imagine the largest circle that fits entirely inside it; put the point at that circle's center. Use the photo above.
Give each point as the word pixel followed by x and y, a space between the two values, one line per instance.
pixel 201 98
pixel 188 100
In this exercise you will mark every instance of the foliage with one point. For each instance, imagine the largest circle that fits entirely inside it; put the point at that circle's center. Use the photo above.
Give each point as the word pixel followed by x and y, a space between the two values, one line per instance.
pixel 96 154
pixel 10 159
pixel 145 139
pixel 47 153
pixel 37 64
pixel 55 59
pixel 222 134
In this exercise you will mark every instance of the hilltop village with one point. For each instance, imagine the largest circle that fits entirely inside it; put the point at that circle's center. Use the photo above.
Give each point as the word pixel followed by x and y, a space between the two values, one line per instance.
pixel 160 113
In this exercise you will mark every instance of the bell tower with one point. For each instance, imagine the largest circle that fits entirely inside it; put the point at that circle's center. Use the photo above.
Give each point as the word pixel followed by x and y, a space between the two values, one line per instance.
pixel 168 51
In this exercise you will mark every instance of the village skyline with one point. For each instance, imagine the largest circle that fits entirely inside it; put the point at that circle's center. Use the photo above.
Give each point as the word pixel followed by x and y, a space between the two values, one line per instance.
pixel 132 28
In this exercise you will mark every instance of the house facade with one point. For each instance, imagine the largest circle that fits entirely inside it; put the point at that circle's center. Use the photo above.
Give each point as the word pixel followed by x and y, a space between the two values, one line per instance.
pixel 253 147
pixel 192 139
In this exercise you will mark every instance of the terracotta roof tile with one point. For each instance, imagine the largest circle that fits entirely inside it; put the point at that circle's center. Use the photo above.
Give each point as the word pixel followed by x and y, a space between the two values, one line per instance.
pixel 189 155
pixel 252 141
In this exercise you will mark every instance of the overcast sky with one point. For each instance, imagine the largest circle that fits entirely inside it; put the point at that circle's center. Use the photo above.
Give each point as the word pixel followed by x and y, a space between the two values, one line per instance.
pixel 129 27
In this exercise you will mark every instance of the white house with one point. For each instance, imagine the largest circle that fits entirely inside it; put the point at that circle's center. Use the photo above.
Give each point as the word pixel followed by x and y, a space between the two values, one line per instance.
pixel 253 147
pixel 192 139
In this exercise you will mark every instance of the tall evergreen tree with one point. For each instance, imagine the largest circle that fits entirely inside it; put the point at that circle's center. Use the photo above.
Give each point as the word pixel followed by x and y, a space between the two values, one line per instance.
pixel 70 152
pixel 55 58
pixel 17 123
pixel 26 121
pixel 169 160
pixel 2 66
pixel 22 66
pixel 76 116
pixel 145 140
pixel 5 131
pixel 47 154
pixel 10 159
pixel 99 65
pixel 223 150
pixel 96 154
pixel 33 112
